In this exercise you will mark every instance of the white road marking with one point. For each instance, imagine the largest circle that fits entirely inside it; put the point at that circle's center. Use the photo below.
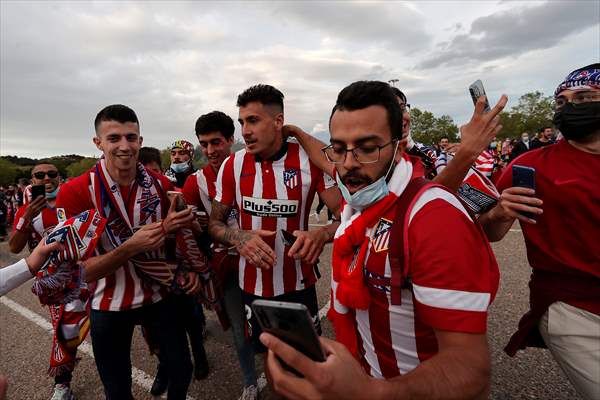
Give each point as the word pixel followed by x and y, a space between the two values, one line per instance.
pixel 323 311
pixel 137 375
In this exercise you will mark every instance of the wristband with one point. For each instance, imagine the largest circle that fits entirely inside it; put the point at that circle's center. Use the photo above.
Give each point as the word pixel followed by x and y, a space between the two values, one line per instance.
pixel 23 224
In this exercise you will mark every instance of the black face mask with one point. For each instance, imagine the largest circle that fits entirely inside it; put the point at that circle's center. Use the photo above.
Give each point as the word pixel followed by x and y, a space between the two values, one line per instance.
pixel 578 121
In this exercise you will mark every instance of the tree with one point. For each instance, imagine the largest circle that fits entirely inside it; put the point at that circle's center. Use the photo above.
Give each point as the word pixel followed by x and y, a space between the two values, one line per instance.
pixel 533 111
pixel 77 168
pixel 8 172
pixel 428 129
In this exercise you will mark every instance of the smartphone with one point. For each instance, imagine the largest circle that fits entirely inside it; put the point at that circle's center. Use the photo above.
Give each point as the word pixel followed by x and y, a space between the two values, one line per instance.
pixel 288 238
pixel 524 177
pixel 476 90
pixel 177 197
pixel 292 323
pixel 38 191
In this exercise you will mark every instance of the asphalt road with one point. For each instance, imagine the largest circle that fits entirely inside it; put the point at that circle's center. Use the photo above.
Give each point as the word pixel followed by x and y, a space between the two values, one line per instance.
pixel 25 344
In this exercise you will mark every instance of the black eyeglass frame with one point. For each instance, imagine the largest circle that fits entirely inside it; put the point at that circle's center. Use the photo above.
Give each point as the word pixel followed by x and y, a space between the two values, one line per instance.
pixel 49 174
pixel 379 147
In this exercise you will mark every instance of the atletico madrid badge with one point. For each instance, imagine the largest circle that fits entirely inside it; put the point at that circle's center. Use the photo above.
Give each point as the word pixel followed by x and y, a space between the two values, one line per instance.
pixel 290 178
pixel 381 235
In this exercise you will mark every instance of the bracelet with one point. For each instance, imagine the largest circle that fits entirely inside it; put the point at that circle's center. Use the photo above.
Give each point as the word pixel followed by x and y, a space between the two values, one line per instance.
pixel 23 224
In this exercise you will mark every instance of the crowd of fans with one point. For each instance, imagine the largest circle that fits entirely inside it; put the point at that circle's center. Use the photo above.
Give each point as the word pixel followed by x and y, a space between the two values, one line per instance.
pixel 413 273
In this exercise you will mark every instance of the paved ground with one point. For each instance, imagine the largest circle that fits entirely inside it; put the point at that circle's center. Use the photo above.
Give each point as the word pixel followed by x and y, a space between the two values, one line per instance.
pixel 25 345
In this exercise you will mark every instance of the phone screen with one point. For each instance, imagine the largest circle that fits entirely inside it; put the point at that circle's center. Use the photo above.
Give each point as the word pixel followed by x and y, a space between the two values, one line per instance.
pixel 288 238
pixel 476 90
pixel 177 197
pixel 524 177
pixel 37 191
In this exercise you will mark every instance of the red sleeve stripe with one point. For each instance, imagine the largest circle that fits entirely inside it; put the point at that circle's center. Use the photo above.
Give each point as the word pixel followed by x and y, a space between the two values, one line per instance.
pixel 452 299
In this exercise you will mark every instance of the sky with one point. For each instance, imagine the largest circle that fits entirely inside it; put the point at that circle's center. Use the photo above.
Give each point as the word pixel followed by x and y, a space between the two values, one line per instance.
pixel 61 62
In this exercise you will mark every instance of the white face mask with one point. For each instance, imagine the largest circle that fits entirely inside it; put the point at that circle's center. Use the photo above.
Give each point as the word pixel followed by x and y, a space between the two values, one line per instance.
pixel 180 167
pixel 370 194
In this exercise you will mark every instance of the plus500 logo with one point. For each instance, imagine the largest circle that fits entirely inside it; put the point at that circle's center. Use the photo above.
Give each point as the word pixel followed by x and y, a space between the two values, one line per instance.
pixel 269 207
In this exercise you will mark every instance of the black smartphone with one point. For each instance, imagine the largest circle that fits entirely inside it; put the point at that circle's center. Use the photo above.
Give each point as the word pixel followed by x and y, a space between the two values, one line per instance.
pixel 476 90
pixel 38 191
pixel 288 238
pixel 524 177
pixel 292 323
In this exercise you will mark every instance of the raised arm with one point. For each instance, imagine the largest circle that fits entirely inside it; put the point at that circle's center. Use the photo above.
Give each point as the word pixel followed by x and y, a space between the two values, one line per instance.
pixel 311 145
pixel 475 138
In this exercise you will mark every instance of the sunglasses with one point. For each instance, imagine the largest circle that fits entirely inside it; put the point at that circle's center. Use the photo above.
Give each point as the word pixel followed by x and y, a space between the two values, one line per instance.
pixel 42 174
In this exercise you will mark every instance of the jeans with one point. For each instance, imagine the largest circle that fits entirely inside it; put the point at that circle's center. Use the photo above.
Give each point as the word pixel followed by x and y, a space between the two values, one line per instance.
pixel 237 319
pixel 111 333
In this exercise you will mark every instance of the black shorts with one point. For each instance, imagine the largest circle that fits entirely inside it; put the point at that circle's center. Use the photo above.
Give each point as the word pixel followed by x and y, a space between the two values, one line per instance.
pixel 307 296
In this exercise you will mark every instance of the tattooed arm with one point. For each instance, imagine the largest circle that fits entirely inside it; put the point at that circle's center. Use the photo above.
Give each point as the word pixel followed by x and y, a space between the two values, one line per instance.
pixel 248 243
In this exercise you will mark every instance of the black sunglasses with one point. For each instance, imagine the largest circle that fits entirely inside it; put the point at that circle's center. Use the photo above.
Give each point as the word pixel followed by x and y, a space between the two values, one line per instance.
pixel 42 174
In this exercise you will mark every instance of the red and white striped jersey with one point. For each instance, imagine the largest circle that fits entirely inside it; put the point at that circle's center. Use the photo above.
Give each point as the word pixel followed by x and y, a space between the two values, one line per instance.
pixel 40 225
pixel 272 195
pixel 124 289
pixel 485 163
pixel 199 191
pixel 454 280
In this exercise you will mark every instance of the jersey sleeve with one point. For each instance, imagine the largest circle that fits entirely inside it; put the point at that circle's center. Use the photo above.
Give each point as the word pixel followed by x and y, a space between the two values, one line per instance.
pixel 191 192
pixel 323 181
pixel 454 273
pixel 225 184
pixel 72 196
pixel 18 215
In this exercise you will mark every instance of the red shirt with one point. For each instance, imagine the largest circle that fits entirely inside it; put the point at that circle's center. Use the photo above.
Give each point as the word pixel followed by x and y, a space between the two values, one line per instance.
pixel 40 225
pixel 566 236
pixel 454 280
pixel 125 288
pixel 272 195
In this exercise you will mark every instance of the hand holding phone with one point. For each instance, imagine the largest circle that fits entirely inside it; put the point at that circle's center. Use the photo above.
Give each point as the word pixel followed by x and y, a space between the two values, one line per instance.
pixel 524 177
pixel 292 323
pixel 177 197
pixel 476 90
pixel 288 238
pixel 37 191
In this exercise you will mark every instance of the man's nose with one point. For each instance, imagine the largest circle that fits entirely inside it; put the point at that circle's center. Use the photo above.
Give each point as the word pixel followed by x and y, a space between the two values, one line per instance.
pixel 350 162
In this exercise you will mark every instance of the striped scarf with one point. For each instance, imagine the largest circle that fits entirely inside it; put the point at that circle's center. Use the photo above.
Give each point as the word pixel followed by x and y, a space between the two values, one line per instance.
pixel 350 245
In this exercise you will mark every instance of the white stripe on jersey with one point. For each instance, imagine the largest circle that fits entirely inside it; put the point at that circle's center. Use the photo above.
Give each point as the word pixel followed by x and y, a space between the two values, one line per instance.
pixel 257 224
pixel 203 190
pixel 281 191
pixel 119 290
pixel 452 299
pixel 402 326
pixel 434 194
pixel 364 330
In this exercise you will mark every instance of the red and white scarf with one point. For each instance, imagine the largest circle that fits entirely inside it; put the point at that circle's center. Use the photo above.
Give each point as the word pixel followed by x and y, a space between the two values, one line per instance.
pixel 350 246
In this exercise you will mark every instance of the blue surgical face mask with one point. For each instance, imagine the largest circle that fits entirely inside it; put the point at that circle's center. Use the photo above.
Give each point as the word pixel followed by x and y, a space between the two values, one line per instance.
pixel 493 145
pixel 52 195
pixel 369 194
pixel 180 167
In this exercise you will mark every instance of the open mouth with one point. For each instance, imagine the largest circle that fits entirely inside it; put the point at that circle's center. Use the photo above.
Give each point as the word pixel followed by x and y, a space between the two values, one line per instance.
pixel 354 183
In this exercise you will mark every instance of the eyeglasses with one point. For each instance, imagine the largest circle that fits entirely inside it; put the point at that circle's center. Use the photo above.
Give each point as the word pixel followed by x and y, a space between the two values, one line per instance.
pixel 42 174
pixel 336 154
pixel 578 98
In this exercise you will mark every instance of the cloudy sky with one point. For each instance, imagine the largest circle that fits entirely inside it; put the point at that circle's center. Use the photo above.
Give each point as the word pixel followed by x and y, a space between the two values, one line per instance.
pixel 61 62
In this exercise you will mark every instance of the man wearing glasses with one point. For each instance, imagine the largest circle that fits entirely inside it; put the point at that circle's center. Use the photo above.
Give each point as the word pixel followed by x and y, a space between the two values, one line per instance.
pixel 32 222
pixel 561 234
pixel 405 329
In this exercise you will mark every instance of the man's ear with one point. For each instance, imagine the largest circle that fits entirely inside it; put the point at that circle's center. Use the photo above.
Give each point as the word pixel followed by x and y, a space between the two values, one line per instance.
pixel 141 140
pixel 98 143
pixel 279 120
pixel 401 147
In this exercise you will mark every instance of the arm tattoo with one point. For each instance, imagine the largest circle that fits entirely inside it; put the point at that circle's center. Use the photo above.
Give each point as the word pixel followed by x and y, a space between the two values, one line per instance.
pixel 220 231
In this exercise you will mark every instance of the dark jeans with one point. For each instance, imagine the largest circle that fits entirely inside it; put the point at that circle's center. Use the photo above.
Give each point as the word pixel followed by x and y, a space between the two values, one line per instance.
pixel 112 332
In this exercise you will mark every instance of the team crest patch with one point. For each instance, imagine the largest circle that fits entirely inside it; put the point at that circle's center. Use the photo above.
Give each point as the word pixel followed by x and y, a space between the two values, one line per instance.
pixel 290 178
pixel 381 236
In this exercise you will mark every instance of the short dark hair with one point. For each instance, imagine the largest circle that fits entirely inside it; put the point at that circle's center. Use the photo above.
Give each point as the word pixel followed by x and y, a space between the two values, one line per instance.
pixel 443 137
pixel 399 94
pixel 543 128
pixel 363 94
pixel 265 94
pixel 148 155
pixel 215 121
pixel 115 112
